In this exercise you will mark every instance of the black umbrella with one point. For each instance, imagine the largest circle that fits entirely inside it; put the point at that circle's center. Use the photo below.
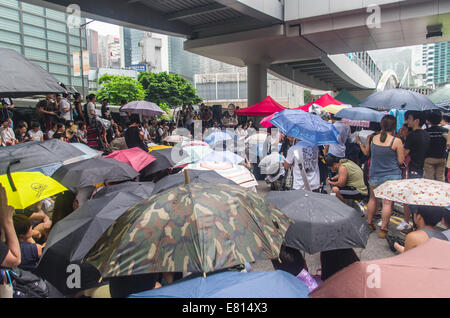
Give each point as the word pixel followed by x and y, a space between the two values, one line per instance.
pixel 322 222
pixel 21 77
pixel 93 171
pixel 72 237
pixel 195 176
pixel 141 189
pixel 398 98
pixel 37 154
pixel 164 160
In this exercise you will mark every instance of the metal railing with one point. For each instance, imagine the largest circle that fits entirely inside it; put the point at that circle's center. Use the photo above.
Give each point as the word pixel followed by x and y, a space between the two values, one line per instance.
pixel 365 61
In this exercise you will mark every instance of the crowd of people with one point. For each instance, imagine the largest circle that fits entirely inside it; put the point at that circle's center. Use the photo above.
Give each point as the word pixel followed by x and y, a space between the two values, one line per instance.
pixel 352 169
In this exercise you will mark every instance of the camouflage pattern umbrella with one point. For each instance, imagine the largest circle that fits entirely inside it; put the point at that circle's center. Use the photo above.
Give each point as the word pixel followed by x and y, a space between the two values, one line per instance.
pixel 191 228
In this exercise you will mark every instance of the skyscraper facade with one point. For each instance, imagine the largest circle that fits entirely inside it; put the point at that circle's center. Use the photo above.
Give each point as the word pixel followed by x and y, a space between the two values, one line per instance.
pixel 436 58
pixel 42 35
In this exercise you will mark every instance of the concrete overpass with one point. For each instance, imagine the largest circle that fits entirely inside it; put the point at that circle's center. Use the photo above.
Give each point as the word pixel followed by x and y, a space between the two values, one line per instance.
pixel 303 41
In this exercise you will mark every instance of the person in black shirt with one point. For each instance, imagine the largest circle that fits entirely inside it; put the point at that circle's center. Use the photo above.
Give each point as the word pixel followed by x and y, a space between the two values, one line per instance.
pixel 417 143
pixel 435 160
pixel 134 137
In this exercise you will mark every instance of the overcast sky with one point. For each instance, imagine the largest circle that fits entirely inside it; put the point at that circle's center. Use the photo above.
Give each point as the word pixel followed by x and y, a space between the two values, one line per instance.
pixel 104 28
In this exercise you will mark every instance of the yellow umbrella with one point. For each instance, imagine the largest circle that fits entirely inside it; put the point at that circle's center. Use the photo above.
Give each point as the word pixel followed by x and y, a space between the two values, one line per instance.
pixel 26 188
pixel 151 148
pixel 334 109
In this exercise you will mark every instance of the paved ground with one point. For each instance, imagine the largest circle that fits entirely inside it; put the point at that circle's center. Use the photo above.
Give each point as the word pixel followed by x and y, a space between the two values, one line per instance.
pixel 376 248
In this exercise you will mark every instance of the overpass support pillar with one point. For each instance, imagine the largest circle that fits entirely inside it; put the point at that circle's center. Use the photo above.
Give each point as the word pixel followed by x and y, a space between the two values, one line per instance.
pixel 256 83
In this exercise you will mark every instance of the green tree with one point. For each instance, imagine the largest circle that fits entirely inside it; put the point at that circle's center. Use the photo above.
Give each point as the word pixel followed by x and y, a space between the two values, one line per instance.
pixel 117 88
pixel 307 97
pixel 171 89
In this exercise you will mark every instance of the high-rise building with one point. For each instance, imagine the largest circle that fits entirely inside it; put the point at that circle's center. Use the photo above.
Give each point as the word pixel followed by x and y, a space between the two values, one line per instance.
pixel 436 59
pixel 92 45
pixel 182 62
pixel 131 50
pixel 43 36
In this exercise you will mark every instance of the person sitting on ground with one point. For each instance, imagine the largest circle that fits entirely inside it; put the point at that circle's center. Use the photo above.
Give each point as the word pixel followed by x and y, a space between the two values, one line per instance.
pixel 21 132
pixel 6 133
pixel 446 222
pixel 82 132
pixel 335 260
pixel 30 251
pixel 60 132
pixel 349 182
pixel 426 218
pixel 36 133
pixel 39 220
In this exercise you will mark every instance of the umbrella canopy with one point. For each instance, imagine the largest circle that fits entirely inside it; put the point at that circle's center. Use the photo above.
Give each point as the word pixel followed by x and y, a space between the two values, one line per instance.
pixel 223 156
pixel 26 188
pixel 274 284
pixel 195 176
pixel 21 77
pixel 144 108
pixel 265 122
pixel 194 143
pixel 334 109
pixel 89 153
pixel 191 228
pixel 421 272
pixel 360 113
pixel 164 160
pixel 441 95
pixel 305 126
pixel 323 101
pixel 135 157
pixel 346 97
pixel 415 191
pixel 176 138
pixel 257 138
pixel 398 98
pixel 93 171
pixel 141 189
pixel 35 154
pixel 264 108
pixel 72 237
pixel 158 147
pixel 322 222
pixel 236 173
pixel 193 154
pixel 218 136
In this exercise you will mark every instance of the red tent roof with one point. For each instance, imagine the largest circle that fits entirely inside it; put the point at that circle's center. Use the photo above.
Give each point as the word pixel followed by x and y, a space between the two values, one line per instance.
pixel 323 101
pixel 265 108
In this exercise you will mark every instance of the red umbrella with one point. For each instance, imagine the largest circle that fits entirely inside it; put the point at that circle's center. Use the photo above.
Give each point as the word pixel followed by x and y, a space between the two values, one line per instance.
pixel 423 271
pixel 135 157
pixel 323 101
pixel 265 122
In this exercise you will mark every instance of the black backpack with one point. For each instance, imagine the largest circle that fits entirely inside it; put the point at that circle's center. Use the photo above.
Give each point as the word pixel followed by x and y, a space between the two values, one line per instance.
pixel 28 285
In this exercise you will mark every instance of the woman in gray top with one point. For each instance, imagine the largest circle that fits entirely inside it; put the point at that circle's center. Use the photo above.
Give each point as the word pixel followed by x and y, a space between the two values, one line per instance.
pixel 387 154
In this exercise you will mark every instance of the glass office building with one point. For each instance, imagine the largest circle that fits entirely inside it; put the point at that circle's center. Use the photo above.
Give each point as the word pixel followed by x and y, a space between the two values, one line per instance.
pixel 42 35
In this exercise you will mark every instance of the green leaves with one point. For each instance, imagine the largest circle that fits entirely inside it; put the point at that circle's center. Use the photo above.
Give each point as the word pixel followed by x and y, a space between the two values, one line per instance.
pixel 117 88
pixel 171 89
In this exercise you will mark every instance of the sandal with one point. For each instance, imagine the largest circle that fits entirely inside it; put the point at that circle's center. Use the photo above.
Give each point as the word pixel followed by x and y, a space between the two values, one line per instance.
pixel 372 227
pixel 382 233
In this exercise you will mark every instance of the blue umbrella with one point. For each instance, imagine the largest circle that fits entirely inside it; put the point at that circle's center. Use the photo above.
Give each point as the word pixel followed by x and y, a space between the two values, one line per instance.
pixel 223 156
pixel 360 113
pixel 218 136
pixel 398 98
pixel 305 126
pixel 275 284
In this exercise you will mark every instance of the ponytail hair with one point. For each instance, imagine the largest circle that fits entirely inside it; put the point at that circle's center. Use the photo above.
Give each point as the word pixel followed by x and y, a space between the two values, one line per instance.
pixel 388 124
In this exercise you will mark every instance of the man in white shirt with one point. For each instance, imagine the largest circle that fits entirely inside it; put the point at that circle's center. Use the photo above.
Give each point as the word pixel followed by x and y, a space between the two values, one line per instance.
pixel 65 107
pixel 306 154
pixel 90 108
pixel 35 133
pixel 338 150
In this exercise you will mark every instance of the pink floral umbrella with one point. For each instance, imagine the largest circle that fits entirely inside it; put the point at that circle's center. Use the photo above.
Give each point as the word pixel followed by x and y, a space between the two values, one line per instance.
pixel 415 191
pixel 135 157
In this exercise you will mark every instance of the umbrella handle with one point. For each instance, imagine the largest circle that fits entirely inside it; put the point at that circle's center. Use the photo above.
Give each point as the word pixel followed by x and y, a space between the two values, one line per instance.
pixel 186 177
pixel 8 173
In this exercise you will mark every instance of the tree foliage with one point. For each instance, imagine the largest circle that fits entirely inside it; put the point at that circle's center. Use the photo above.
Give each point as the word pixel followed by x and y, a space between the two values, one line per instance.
pixel 171 89
pixel 307 97
pixel 116 88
